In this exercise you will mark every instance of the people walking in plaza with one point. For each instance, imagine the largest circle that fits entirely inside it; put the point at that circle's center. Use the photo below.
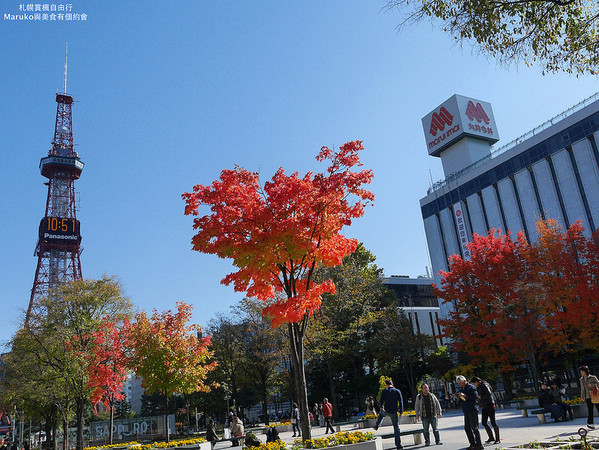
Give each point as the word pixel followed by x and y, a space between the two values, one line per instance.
pixel 370 406
pixel 468 397
pixel 556 395
pixel 327 412
pixel 295 420
pixel 589 388
pixel 391 405
pixel 486 400
pixel 428 408
pixel 546 402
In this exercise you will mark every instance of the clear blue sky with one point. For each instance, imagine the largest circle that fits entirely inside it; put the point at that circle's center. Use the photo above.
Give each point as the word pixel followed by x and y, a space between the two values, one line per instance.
pixel 170 93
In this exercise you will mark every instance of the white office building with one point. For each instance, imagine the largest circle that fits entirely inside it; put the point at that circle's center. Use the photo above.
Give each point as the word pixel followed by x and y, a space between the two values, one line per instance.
pixel 417 300
pixel 551 172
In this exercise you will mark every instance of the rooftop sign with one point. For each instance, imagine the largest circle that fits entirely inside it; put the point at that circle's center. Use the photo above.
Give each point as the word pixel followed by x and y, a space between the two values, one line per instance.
pixel 456 118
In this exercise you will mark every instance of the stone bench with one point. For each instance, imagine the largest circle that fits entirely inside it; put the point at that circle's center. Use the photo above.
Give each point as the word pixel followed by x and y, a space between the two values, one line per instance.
pixel 416 433
pixel 525 410
pixel 359 422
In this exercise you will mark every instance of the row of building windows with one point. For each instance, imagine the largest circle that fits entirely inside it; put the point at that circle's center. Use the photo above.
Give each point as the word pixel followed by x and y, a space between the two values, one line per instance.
pixel 564 186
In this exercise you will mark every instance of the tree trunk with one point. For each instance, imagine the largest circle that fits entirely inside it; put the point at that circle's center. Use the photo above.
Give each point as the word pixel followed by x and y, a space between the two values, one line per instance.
pixel 111 432
pixel 507 385
pixel 264 395
pixel 409 371
pixel 79 414
pixel 166 430
pixel 332 391
pixel 65 433
pixel 296 339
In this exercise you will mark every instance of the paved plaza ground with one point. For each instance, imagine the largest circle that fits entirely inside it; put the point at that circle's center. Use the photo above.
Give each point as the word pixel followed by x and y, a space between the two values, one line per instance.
pixel 515 430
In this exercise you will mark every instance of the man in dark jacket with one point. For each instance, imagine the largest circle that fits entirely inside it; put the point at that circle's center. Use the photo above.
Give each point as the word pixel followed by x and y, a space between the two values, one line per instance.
pixel 487 403
pixel 391 405
pixel 468 397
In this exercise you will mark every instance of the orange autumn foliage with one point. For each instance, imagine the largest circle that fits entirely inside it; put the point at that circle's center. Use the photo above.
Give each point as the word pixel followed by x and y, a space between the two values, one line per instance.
pixel 278 233
pixel 513 301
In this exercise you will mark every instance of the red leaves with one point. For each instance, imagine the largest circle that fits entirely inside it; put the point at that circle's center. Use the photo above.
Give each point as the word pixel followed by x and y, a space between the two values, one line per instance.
pixel 105 352
pixel 277 234
pixel 513 299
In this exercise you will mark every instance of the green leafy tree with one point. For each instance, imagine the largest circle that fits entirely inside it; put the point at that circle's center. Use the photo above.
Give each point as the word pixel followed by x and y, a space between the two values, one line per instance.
pixel 226 334
pixel 401 350
pixel 559 35
pixel 169 355
pixel 47 355
pixel 31 379
pixel 69 314
pixel 339 337
pixel 263 347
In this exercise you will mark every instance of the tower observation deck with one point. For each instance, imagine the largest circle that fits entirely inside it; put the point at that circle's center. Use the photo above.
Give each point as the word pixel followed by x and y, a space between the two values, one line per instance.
pixel 58 247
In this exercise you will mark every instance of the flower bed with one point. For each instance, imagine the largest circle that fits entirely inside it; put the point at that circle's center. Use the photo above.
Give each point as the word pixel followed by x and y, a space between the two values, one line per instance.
pixel 278 424
pixel 337 439
pixel 277 445
pixel 181 443
pixel 122 444
pixel 283 426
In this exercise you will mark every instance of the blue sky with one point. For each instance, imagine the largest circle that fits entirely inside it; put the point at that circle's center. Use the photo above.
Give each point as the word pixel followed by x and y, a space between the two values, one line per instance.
pixel 170 93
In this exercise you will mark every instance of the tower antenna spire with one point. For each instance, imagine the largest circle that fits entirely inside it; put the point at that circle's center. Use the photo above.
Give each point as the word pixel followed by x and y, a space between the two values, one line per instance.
pixel 66 53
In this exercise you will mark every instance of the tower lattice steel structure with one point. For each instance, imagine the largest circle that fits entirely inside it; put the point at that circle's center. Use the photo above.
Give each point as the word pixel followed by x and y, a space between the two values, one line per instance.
pixel 59 243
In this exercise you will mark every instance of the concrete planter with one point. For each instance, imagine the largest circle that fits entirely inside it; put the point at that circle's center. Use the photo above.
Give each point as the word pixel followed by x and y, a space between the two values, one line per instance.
pixel 408 419
pixel 387 421
pixel 280 428
pixel 529 402
pixel 580 410
pixel 376 444
pixel 200 446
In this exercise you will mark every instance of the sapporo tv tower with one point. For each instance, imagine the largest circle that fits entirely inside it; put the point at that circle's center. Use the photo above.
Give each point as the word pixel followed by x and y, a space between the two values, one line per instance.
pixel 58 247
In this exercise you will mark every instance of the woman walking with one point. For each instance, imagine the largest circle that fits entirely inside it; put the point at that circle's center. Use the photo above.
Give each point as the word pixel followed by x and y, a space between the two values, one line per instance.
pixel 589 388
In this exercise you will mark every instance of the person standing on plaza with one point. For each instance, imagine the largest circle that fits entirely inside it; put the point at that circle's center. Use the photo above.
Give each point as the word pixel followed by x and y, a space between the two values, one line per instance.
pixel 295 420
pixel 327 412
pixel 428 408
pixel 468 397
pixel 589 388
pixel 486 400
pixel 316 414
pixel 391 405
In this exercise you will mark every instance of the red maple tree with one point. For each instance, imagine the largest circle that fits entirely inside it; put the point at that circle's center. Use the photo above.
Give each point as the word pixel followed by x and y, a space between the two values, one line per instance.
pixel 277 234
pixel 107 358
pixel 513 301
pixel 490 302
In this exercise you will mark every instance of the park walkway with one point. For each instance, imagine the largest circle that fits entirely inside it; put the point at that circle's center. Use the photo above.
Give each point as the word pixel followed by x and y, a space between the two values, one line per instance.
pixel 515 430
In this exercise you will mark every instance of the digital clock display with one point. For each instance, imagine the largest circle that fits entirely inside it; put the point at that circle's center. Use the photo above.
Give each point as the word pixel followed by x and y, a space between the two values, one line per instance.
pixel 60 230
